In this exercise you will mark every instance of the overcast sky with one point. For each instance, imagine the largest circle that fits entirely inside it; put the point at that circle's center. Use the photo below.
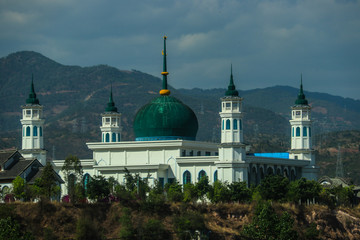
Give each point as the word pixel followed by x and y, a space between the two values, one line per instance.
pixel 268 42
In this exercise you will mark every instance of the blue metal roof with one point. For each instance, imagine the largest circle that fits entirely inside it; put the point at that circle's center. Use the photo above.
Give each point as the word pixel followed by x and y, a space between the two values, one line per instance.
pixel 284 155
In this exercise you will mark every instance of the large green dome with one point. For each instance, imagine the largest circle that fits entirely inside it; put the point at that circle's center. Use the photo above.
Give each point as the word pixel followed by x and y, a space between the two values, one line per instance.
pixel 165 118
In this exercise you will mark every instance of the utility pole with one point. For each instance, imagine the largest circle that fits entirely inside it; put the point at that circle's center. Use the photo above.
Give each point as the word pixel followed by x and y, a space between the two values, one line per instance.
pixel 339 165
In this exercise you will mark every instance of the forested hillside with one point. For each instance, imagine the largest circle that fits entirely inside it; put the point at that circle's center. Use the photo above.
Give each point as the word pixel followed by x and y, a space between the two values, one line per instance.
pixel 74 97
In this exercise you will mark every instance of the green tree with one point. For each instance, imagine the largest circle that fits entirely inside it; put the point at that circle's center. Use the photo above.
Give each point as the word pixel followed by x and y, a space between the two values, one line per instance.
pixel 190 193
pixel 188 223
pixel 343 195
pixel 98 188
pixel 219 192
pixel 19 187
pixel 73 173
pixel 10 229
pixel 154 229
pixel 202 186
pixel 47 185
pixel 137 185
pixel 156 201
pixel 303 190
pixel 127 231
pixel 266 225
pixel 239 192
pixel 174 192
pixel 274 187
pixel 112 184
pixel 122 193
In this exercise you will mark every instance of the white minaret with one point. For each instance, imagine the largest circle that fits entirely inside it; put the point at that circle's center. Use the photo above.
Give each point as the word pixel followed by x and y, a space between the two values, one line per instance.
pixel 301 133
pixel 111 125
pixel 231 165
pixel 32 128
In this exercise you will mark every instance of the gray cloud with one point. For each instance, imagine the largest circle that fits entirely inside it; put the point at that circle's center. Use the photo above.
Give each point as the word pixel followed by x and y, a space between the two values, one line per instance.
pixel 269 42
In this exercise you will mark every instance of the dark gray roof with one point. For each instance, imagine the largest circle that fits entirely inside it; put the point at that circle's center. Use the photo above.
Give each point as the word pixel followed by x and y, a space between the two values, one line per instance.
pixel 19 166
pixel 5 155
pixel 38 175
pixel 16 170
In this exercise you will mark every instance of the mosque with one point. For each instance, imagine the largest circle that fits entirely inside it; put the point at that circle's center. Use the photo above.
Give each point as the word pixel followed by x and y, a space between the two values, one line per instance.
pixel 165 147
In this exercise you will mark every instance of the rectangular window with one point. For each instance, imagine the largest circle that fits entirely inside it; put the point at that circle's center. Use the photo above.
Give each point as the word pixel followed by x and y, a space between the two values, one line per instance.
pixel 28 112
pixel 183 153
pixel 305 132
pixel 228 106
pixel 207 153
pixel 199 153
pixel 235 105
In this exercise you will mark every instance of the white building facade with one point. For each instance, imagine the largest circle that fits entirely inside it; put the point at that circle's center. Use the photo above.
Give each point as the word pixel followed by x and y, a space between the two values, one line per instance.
pixel 165 147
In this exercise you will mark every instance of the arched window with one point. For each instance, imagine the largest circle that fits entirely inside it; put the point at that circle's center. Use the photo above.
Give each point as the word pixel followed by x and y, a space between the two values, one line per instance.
pixel 118 137
pixel 304 132
pixel 215 175
pixel 5 190
pixel 40 131
pixel 107 137
pixel 240 124
pixel 35 131
pixel 27 131
pixel 186 177
pixel 292 131
pixel 228 124
pixel 309 131
pixel 270 171
pixel 113 137
pixel 298 131
pixel 86 180
pixel 222 127
pixel 23 131
pixel 292 175
pixel 235 124
pixel 202 174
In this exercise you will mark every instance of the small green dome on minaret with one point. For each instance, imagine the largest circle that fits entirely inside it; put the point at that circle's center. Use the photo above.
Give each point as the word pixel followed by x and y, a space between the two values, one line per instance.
pixel 32 95
pixel 231 88
pixel 301 100
pixel 111 105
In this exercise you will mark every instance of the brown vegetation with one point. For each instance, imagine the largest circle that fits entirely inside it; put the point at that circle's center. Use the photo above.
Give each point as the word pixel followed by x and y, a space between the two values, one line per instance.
pixel 225 221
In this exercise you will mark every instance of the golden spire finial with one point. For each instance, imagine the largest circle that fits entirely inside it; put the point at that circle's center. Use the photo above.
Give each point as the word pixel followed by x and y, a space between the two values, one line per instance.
pixel 164 90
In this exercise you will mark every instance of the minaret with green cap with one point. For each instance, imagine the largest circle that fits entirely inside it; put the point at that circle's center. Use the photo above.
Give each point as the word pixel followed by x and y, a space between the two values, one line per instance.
pixel 32 95
pixel 301 131
pixel 32 122
pixel 232 164
pixel 301 100
pixel 111 122
pixel 231 88
pixel 111 105
pixel 231 114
